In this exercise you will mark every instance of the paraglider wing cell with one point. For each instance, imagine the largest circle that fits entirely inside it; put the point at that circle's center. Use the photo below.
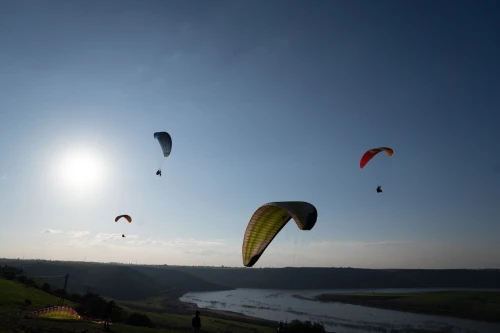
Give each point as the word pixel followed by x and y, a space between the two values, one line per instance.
pixel 165 142
pixel 371 153
pixel 128 218
pixel 56 312
pixel 267 222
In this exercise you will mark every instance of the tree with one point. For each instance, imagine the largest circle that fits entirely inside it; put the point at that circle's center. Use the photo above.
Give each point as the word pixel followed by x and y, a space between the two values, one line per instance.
pixel 46 287
pixel 298 326
pixel 21 279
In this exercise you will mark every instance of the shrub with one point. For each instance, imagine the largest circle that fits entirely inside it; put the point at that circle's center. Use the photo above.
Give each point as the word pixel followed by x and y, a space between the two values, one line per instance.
pixel 298 326
pixel 46 287
pixel 139 319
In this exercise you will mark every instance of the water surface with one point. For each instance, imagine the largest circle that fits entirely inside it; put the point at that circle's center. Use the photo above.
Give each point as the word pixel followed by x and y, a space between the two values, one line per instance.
pixel 287 305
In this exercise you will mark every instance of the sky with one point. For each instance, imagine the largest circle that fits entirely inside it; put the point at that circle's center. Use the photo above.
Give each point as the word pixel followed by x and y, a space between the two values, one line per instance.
pixel 265 101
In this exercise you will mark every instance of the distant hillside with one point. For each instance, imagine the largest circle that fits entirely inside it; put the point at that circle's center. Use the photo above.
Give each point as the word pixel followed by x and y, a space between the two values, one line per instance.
pixel 180 280
pixel 131 282
pixel 114 280
pixel 338 278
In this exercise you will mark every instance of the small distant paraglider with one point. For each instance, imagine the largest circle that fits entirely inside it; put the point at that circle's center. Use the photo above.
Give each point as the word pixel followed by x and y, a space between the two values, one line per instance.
pixel 126 217
pixel 368 155
pixel 165 141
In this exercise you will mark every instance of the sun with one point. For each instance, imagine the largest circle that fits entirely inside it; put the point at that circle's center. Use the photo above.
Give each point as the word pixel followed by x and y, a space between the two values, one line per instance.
pixel 81 170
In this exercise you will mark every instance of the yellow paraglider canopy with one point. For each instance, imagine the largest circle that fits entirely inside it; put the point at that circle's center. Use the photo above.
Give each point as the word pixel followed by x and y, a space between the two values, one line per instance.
pixel 267 222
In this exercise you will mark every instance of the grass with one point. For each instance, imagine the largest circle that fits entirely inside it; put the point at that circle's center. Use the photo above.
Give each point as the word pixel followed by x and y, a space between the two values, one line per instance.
pixel 13 295
pixel 476 305
pixel 114 280
pixel 210 324
pixel 13 304
pixel 156 308
pixel 13 308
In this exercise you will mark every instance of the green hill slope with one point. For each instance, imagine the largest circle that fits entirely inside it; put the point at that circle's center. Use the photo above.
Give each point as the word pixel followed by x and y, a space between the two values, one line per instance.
pixel 120 282
pixel 13 295
pixel 111 280
pixel 13 308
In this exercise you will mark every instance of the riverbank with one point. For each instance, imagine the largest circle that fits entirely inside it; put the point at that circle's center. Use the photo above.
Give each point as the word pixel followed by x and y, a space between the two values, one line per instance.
pixel 190 307
pixel 170 303
pixel 474 305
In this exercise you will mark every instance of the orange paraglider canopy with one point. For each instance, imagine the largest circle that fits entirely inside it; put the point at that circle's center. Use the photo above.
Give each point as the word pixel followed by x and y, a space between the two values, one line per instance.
pixel 371 153
pixel 128 218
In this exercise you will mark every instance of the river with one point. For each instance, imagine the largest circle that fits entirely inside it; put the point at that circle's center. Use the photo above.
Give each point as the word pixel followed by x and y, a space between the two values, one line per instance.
pixel 286 305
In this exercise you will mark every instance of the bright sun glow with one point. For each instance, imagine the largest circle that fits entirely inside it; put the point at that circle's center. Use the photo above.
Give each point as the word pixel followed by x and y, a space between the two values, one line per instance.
pixel 81 171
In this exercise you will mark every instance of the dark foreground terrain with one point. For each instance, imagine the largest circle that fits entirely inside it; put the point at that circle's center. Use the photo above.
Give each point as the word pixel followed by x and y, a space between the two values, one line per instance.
pixel 154 291
pixel 16 300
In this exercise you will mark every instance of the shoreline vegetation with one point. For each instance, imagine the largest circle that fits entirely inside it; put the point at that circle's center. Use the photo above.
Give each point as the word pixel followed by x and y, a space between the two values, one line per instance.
pixel 471 305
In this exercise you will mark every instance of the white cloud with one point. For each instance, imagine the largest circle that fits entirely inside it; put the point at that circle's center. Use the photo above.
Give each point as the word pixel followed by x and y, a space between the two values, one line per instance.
pixel 148 241
pixel 362 244
pixel 78 242
pixel 191 241
pixel 208 249
pixel 387 243
pixel 51 231
pixel 202 252
pixel 177 242
pixel 76 233
pixel 101 237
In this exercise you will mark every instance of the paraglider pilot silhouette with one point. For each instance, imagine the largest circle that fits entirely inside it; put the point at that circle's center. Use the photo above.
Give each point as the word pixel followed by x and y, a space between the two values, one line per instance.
pixel 196 322
pixel 126 217
pixel 379 189
pixel 165 141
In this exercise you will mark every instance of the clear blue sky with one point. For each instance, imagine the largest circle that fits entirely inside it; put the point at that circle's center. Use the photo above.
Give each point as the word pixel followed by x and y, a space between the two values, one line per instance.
pixel 265 101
